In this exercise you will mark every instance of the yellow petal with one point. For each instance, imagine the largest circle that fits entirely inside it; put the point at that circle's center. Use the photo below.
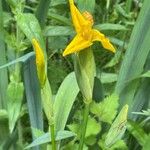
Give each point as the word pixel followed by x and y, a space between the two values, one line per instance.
pixel 77 44
pixel 98 36
pixel 40 62
pixel 78 19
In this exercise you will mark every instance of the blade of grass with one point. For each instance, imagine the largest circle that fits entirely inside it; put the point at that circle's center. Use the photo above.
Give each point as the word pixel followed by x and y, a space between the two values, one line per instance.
pixel 3 73
pixel 135 58
pixel 60 19
pixel 30 27
pixel 64 100
pixel 18 60
pixel 128 5
pixel 3 78
pixel 32 90
pixel 142 97
pixel 45 138
pixel 41 12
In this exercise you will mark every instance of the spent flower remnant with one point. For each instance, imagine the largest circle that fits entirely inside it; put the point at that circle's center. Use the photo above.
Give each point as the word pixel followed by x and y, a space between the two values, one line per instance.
pixel 85 34
pixel 40 62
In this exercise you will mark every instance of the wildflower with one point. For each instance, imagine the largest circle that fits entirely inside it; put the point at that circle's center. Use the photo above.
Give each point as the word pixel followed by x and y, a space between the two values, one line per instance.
pixel 85 34
pixel 40 62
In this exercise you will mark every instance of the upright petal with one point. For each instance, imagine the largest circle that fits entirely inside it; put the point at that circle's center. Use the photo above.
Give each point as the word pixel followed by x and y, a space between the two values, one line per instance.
pixel 77 44
pixel 97 36
pixel 78 19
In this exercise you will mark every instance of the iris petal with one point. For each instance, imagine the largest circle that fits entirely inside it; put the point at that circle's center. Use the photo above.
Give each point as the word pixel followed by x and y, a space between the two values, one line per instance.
pixel 77 44
pixel 78 20
pixel 98 36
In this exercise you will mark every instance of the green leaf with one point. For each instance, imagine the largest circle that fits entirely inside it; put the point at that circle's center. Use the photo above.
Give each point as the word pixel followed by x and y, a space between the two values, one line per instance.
pixel 45 138
pixel 107 109
pixel 107 77
pixel 64 100
pixel 142 97
pixel 21 59
pixel 3 114
pixel 114 60
pixel 15 95
pixel 58 31
pixel 110 26
pixel 30 27
pixel 37 132
pixel 146 146
pixel 42 10
pixel 119 145
pixel 3 73
pixel 93 127
pixel 137 131
pixel 98 91
pixel 122 11
pixel 74 127
pixel 118 127
pixel 118 42
pixel 144 113
pixel 57 2
pixel 91 140
pixel 32 89
pixel 87 5
pixel 134 62
pixel 3 77
pixel 146 74
pixel 60 18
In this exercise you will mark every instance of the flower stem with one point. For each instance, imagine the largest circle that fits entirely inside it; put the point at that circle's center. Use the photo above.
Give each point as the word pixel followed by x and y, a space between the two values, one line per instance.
pixel 84 125
pixel 52 133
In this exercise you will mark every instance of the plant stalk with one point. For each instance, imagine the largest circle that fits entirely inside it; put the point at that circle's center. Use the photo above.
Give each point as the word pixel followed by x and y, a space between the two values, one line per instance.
pixel 52 133
pixel 84 125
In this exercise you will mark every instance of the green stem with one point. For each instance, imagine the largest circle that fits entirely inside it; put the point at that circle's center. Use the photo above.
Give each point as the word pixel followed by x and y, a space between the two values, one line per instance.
pixel 85 120
pixel 52 132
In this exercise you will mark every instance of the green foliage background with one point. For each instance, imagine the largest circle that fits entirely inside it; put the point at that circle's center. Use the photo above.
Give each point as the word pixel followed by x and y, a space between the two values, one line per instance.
pixel 122 78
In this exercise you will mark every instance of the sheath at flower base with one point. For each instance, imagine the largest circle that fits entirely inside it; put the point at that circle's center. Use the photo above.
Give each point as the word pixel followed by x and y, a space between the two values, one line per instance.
pixel 85 34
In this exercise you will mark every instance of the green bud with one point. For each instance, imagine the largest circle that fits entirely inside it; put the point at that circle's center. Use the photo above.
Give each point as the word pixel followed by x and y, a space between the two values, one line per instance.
pixel 85 72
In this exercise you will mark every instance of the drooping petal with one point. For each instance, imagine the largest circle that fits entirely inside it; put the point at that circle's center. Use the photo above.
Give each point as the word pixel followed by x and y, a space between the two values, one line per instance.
pixel 98 36
pixel 78 19
pixel 77 44
pixel 40 62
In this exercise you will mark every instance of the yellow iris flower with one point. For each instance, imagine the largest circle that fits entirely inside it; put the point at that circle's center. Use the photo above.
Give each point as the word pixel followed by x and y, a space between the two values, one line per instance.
pixel 85 34
pixel 40 62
